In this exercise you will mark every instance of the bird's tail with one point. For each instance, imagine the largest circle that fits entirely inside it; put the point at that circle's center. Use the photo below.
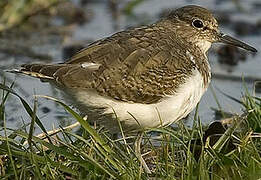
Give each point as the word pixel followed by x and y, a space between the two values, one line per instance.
pixel 41 71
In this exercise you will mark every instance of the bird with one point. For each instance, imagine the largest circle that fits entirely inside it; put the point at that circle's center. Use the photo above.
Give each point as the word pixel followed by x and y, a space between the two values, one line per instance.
pixel 143 77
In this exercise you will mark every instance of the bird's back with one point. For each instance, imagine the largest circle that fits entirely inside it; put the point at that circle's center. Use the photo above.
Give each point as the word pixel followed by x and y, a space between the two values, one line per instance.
pixel 139 65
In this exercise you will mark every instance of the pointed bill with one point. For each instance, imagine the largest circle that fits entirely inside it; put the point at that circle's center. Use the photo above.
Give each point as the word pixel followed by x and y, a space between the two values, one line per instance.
pixel 234 42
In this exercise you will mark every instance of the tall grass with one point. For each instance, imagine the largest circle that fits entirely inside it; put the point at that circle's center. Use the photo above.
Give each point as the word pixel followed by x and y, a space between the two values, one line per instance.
pixel 173 153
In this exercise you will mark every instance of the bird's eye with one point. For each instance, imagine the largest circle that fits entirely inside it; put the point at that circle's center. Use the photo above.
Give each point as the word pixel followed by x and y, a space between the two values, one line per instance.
pixel 197 23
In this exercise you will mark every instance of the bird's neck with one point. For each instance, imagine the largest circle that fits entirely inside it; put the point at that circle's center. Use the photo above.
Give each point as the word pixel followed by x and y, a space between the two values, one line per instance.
pixel 187 39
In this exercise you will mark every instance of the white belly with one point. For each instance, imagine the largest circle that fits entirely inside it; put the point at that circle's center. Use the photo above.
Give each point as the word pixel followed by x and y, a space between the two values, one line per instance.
pixel 170 109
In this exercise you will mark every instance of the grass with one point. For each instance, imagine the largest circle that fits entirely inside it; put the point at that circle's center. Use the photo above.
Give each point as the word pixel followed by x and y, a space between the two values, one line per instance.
pixel 232 152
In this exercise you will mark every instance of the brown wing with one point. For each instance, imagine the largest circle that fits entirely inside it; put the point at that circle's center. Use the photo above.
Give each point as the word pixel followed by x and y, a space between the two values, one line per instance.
pixel 146 81
pixel 140 65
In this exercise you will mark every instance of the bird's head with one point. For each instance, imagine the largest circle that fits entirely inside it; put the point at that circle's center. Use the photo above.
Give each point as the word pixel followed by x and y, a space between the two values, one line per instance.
pixel 197 25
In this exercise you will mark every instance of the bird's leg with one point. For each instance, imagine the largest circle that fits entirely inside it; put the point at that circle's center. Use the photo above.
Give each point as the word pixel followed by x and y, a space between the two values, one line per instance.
pixel 137 144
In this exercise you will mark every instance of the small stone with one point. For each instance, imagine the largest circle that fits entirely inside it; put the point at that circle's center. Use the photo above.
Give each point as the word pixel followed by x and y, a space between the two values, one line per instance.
pixel 258 87
pixel 45 110
pixel 230 55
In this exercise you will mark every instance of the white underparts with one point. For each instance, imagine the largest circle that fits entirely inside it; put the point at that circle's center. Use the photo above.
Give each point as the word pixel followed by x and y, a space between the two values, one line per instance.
pixel 170 109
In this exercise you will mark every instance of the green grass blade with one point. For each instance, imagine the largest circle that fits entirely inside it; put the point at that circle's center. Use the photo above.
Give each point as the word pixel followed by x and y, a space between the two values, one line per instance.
pixel 27 108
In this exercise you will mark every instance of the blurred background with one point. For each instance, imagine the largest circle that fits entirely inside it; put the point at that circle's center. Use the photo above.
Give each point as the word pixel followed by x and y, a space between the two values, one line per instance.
pixel 51 31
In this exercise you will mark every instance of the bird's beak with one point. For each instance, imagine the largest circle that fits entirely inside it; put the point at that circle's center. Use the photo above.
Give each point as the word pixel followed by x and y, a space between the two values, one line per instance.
pixel 223 38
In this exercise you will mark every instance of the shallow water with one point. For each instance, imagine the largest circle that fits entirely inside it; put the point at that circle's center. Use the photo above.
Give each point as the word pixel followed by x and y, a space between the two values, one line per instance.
pixel 101 25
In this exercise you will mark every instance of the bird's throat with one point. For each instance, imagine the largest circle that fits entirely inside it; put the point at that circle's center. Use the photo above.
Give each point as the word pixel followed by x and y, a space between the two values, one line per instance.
pixel 204 46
